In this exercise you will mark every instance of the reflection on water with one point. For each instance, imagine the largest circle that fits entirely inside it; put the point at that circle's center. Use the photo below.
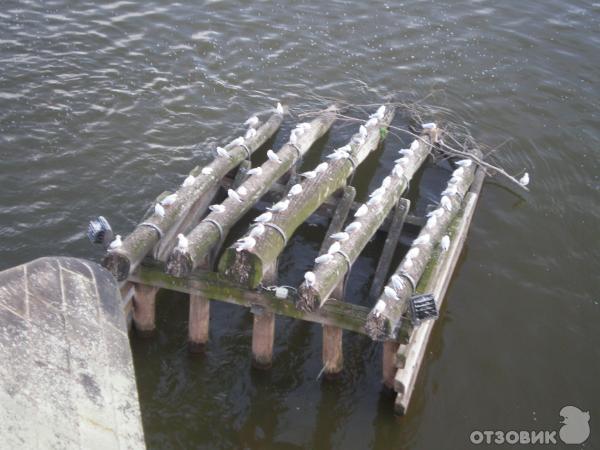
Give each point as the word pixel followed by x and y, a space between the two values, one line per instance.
pixel 104 107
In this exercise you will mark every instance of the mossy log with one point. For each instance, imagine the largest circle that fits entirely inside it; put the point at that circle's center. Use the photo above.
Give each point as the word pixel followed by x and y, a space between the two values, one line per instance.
pixel 207 234
pixel 329 274
pixel 141 241
pixel 386 317
pixel 247 267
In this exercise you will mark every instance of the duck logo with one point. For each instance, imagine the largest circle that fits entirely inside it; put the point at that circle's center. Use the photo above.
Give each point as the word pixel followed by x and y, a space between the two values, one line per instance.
pixel 576 427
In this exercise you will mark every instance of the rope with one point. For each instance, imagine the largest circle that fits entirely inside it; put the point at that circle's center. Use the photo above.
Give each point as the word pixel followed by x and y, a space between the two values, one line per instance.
pixel 154 227
pixel 279 230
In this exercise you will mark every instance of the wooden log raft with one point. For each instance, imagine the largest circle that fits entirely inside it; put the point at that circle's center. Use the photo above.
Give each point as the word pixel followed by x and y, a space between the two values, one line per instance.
pixel 386 316
pixel 208 233
pixel 120 262
pixel 247 267
pixel 328 274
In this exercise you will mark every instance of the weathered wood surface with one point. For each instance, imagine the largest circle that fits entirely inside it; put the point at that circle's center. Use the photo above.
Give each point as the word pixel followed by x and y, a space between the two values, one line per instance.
pixel 247 267
pixel 385 318
pixel 66 371
pixel 214 286
pixel 143 239
pixel 329 274
pixel 206 235
pixel 411 355
pixel 263 329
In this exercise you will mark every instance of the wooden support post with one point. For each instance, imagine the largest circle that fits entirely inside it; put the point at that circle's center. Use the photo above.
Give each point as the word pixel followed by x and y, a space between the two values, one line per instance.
pixel 328 274
pixel 263 330
pixel 247 267
pixel 208 232
pixel 120 262
pixel 386 316
pixel 391 242
pixel 333 356
pixel 144 309
pixel 389 363
pixel 198 326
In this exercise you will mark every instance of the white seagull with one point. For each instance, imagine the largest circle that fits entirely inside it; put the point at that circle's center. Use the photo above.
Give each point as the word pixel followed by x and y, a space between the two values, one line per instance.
pixel 397 282
pixel 310 174
pixel 250 133
pixel 364 209
pixel 254 171
pixel 217 208
pixel 413 253
pixel 279 108
pixel 279 206
pixel 234 195
pixel 337 154
pixel 380 112
pixel 424 239
pixel 238 141
pixel 375 200
pixel 446 203
pixel 415 145
pixel 323 258
pixel 377 192
pixel 206 170
pixel 335 247
pixel 190 180
pixel 362 131
pixel 257 230
pixel 321 167
pixel 450 190
pixel 116 243
pixel 406 152
pixel 295 190
pixel 386 182
pixel 242 190
pixel 379 308
pixel 310 279
pixel 182 243
pixel 246 243
pixel 294 138
pixel 264 217
pixel 223 153
pixel 353 227
pixel 159 210
pixel 341 236
pixel 371 122
pixel 431 222
pixel 524 181
pixel 252 122
pixel 464 163
pixel 391 293
pixel 458 172
pixel 169 200
pixel 273 156
pixel 429 126
pixel 445 243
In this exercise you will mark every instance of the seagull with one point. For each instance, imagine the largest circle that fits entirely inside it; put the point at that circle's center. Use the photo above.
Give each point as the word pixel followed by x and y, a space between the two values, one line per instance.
pixel 245 243
pixel 116 243
pixel 524 181
pixel 323 258
pixel 254 171
pixel 191 179
pixel 398 171
pixel 464 163
pixel 431 222
pixel 435 213
pixel 279 206
pixel 273 156
pixel 169 200
pixel 429 126
pixel 182 243
pixel 279 108
pixel 379 308
pixel 309 175
pixel 321 167
pixel 250 133
pixel 223 153
pixel 413 253
pixel 406 152
pixel 397 282
pixel 391 293
pixel 377 192
pixel 207 170
pixel 295 190
pixel 346 148
pixel 364 209
pixel 238 141
pixel 217 208
pixel 362 131
pixel 337 155
pixel 450 190
pixel 341 236
pixel 380 112
pixel 304 126
pixel 458 172
pixel 446 203
pixel 407 264
pixel 353 227
pixel 234 195
pixel 264 217
pixel 294 138
pixel 424 239
pixel 257 230
pixel 373 121
pixel 335 247
pixel 159 210
pixel 414 145
pixel 386 182
pixel 242 190
pixel 375 200
pixel 310 279
pixel 252 122
pixel 358 140
pixel 445 243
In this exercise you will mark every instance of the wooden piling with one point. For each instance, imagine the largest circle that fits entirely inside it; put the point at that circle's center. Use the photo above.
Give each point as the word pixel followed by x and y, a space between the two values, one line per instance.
pixel 263 329
pixel 144 308
pixel 247 267
pixel 198 326
pixel 329 274
pixel 120 262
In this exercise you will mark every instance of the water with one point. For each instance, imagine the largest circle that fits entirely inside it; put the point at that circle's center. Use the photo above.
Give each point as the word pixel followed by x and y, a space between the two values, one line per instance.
pixel 104 107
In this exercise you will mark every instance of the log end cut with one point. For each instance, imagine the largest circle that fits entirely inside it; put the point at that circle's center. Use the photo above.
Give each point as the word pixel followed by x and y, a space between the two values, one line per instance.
pixel 308 298
pixel 244 267
pixel 117 264
pixel 179 264
pixel 377 327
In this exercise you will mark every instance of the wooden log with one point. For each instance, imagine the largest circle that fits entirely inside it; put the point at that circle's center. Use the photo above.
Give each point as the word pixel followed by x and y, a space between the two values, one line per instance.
pixel 263 330
pixel 389 363
pixel 391 242
pixel 386 317
pixel 144 308
pixel 198 326
pixel 141 241
pixel 208 233
pixel 214 286
pixel 414 352
pixel 328 274
pixel 333 356
pixel 247 267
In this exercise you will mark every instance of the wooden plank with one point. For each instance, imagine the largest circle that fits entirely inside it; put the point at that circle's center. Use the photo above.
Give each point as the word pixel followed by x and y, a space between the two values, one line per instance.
pixel 120 262
pixel 144 308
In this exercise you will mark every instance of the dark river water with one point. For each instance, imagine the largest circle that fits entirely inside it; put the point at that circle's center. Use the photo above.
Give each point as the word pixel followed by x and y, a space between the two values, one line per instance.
pixel 105 105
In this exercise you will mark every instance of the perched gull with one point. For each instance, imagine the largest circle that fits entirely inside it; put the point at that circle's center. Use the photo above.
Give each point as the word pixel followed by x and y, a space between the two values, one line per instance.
pixel 341 236
pixel 464 163
pixel 353 227
pixel 406 152
pixel 458 172
pixel 346 148
pixel 116 243
pixel 273 156
pixel 252 122
pixel 258 230
pixel 391 293
pixel 295 190
pixel 169 200
pixel 424 239
pixel 377 192
pixel 397 282
pixel 364 209
pixel 206 170
pixel 379 113
pixel 254 171
pixel 524 181
pixel 223 153
pixel 159 210
pixel 371 122
pixel 407 264
pixel 336 155
pixel 242 190
pixel 182 243
pixel 429 126
pixel 386 182
pixel 294 138
pixel 280 206
pixel 362 131
pixel 304 126
pixel 190 179
pixel 446 203
pixel 398 171
pixel 279 108
pixel 321 167
pixel 415 145
pixel 435 213
pixel 335 247
pixel 264 217
pixel 431 222
pixel 246 243
pixel 310 174
pixel 323 258
pixel 450 190
pixel 217 208
pixel 310 279
pixel 250 133
pixel 413 253
pixel 234 195
pixel 238 141
pixel 375 200
pixel 445 243
pixel 379 308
